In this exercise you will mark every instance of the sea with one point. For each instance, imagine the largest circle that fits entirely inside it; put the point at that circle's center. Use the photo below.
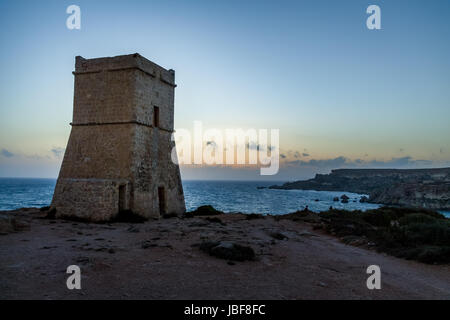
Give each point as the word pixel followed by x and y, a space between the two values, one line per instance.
pixel 227 196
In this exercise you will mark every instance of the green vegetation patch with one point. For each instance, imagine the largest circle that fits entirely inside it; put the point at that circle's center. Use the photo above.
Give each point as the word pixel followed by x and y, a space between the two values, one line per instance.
pixel 409 233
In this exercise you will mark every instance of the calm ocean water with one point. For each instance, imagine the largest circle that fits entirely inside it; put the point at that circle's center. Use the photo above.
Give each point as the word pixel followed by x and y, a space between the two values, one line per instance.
pixel 228 196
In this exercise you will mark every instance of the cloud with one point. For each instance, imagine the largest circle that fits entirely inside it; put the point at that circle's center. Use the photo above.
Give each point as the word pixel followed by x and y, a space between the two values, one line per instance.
pixel 291 154
pixel 343 162
pixel 325 163
pixel 211 145
pixel 258 147
pixel 399 162
pixel 58 151
pixel 6 153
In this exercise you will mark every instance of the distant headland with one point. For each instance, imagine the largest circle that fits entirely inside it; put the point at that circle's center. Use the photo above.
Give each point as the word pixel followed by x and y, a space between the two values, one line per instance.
pixel 427 188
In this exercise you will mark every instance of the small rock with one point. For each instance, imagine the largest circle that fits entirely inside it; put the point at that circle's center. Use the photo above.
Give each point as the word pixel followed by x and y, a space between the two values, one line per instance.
pixel 51 213
pixel 278 236
pixel 133 229
pixel 198 224
pixel 254 216
pixel 307 234
pixel 215 220
pixel 169 215
pixel 147 244
pixel 83 260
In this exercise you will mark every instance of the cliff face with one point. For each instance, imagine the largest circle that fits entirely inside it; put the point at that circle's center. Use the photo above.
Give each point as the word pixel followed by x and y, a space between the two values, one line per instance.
pixel 427 195
pixel 428 188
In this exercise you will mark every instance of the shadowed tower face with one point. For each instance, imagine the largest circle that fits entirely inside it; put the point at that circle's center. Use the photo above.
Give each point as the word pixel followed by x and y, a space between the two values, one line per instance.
pixel 118 157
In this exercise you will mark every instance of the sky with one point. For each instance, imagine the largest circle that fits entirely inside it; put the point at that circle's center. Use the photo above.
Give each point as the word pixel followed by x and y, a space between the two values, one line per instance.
pixel 340 94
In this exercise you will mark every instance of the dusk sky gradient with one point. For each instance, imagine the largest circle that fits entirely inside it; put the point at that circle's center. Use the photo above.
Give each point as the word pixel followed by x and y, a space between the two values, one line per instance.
pixel 341 95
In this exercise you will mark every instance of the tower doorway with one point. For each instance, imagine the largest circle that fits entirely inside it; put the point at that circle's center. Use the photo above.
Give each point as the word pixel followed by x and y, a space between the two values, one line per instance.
pixel 122 201
pixel 162 200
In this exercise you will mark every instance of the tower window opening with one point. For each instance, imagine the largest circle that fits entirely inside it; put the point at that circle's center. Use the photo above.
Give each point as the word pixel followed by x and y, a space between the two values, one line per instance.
pixel 156 117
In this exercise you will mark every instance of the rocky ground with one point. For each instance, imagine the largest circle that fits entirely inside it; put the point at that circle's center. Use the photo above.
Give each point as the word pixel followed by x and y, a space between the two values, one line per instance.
pixel 170 259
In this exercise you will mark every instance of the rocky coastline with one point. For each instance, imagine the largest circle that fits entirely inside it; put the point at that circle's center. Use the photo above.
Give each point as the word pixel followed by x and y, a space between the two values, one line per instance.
pixel 425 188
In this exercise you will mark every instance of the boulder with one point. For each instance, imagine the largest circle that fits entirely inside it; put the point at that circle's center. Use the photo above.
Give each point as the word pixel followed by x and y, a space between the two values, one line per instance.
pixel 205 211
pixel 228 250
pixel 364 199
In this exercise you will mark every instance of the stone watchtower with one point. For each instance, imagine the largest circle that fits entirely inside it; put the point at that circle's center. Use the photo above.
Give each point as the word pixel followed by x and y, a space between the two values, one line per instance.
pixel 118 157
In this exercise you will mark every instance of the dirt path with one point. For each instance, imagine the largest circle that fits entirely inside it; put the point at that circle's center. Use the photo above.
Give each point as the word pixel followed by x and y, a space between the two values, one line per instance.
pixel 156 260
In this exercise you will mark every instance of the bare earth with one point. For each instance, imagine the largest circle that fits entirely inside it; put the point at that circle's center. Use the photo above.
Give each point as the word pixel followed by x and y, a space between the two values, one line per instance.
pixel 156 260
